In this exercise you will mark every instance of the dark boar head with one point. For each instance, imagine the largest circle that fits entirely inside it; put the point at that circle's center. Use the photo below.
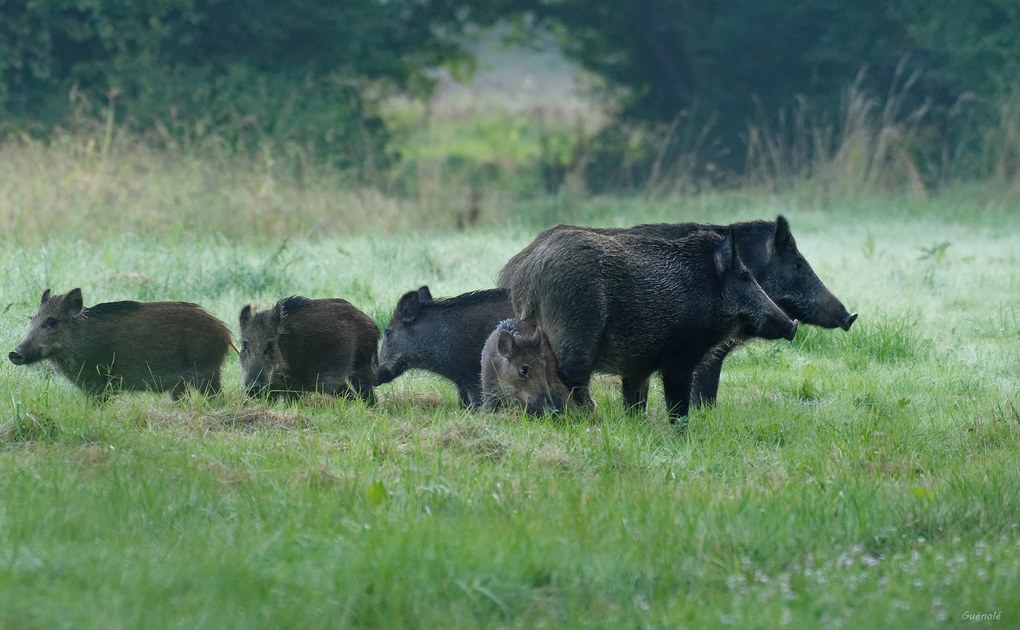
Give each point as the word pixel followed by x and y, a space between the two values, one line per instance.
pixel 402 342
pixel 263 366
pixel 743 299
pixel 51 329
pixel 784 273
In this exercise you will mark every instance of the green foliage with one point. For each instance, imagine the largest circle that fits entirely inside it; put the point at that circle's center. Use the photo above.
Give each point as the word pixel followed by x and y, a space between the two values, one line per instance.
pixel 247 74
pixel 698 92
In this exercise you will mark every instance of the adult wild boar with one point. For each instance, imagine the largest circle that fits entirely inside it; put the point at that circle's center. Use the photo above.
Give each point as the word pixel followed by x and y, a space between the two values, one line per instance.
pixel 305 345
pixel 769 251
pixel 159 346
pixel 519 370
pixel 443 336
pixel 633 305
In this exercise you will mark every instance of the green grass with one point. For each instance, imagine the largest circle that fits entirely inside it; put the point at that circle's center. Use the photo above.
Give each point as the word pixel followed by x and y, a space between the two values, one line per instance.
pixel 859 479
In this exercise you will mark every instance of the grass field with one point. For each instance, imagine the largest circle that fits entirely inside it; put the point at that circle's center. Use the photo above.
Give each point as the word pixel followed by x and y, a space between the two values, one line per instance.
pixel 855 479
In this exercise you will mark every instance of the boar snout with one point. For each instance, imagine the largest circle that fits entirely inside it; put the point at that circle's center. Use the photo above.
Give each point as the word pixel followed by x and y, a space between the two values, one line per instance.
pixel 384 375
pixel 828 314
pixel 778 327
pixel 257 388
pixel 16 357
pixel 541 407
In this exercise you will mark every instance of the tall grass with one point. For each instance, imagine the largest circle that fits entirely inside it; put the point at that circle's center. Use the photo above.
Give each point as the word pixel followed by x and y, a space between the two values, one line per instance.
pixel 71 184
pixel 865 150
pixel 880 144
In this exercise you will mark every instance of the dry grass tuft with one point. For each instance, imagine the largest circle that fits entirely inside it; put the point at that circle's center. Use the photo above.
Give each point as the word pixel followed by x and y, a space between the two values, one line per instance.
pixel 248 419
pixel 553 457
pixel 475 439
pixel 402 399
pixel 29 426
pixel 323 477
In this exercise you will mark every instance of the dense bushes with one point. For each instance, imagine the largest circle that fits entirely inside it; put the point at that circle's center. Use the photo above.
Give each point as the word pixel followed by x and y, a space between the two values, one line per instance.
pixel 246 71
pixel 790 73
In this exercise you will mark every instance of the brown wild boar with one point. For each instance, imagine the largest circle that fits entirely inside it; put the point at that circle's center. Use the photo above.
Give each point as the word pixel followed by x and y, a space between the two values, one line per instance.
pixel 306 345
pixel 158 346
pixel 519 369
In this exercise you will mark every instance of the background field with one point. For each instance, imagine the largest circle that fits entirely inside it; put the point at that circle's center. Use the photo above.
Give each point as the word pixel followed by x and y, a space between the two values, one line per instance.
pixel 860 478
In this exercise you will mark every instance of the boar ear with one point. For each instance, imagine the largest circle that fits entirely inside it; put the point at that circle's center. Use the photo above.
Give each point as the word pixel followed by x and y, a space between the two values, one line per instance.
pixel 73 302
pixel 424 295
pixel 45 297
pixel 784 238
pixel 409 307
pixel 505 343
pixel 276 319
pixel 725 254
pixel 245 315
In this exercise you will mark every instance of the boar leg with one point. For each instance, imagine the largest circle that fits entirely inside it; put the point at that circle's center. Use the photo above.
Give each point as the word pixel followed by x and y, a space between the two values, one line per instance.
pixel 178 390
pixel 576 368
pixel 705 388
pixel 361 383
pixel 635 392
pixel 209 386
pixel 676 385
pixel 469 397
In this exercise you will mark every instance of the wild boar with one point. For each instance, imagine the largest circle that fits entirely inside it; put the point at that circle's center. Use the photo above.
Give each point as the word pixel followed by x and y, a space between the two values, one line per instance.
pixel 308 345
pixel 158 346
pixel 443 336
pixel 519 370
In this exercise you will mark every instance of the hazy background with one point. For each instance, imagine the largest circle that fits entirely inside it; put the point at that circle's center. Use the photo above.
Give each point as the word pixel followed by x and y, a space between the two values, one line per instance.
pixel 463 104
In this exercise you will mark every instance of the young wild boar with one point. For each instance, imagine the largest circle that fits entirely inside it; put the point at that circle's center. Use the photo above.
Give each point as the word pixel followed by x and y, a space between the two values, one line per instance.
pixel 442 336
pixel 519 369
pixel 159 346
pixel 768 250
pixel 633 305
pixel 305 345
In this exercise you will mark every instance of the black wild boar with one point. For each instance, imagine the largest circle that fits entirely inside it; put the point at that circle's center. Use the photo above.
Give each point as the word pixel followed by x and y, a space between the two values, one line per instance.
pixel 443 336
pixel 159 346
pixel 768 250
pixel 519 370
pixel 634 305
pixel 306 345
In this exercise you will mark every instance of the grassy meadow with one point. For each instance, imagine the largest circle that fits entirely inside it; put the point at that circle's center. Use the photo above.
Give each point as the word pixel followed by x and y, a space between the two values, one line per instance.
pixel 846 479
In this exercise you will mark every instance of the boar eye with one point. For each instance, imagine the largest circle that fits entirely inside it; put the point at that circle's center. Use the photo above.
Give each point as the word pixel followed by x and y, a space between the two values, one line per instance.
pixel 244 347
pixel 386 333
pixel 50 322
pixel 522 371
